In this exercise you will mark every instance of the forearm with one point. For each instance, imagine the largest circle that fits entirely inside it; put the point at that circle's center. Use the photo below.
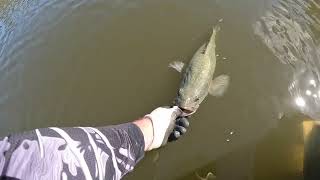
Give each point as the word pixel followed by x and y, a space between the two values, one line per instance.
pixel 146 127
pixel 82 152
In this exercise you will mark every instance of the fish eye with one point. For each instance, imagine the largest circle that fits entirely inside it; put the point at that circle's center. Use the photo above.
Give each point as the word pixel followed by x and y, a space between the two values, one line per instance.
pixel 197 99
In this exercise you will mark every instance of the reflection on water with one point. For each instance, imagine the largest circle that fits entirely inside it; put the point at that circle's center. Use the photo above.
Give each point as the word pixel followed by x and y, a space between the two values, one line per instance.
pixel 22 21
pixel 290 30
pixel 91 63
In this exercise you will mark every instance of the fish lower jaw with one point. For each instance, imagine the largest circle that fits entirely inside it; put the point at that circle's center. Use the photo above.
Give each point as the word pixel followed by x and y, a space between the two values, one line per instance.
pixel 187 112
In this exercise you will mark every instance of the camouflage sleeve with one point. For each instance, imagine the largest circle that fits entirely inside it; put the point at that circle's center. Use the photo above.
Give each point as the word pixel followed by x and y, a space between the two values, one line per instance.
pixel 72 153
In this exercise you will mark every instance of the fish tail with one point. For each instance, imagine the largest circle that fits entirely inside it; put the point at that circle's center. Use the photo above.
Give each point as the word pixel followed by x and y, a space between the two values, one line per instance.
pixel 216 29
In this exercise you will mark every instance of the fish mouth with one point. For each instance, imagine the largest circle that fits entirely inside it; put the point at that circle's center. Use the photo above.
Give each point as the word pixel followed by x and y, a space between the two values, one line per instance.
pixel 185 108
pixel 187 112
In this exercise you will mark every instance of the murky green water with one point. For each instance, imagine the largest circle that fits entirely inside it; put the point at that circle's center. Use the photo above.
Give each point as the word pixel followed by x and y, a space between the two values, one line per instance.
pixel 95 63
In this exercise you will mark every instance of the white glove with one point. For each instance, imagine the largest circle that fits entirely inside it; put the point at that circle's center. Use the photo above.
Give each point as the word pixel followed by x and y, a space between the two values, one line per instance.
pixel 163 122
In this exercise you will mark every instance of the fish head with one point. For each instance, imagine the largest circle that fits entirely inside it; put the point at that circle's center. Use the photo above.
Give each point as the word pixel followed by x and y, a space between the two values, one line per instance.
pixel 189 100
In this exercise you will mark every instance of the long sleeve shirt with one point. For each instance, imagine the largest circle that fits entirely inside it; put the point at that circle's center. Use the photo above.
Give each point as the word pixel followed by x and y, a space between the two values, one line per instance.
pixel 72 153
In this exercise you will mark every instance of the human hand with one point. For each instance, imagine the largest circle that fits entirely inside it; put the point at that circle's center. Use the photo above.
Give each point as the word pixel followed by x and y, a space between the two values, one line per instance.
pixel 168 124
pixel 180 128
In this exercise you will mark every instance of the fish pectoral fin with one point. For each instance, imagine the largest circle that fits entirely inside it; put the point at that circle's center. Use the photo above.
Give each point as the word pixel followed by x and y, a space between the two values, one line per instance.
pixel 219 85
pixel 177 65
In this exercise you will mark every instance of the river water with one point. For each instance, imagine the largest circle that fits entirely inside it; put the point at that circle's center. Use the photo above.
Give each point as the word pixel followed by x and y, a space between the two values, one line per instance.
pixel 96 63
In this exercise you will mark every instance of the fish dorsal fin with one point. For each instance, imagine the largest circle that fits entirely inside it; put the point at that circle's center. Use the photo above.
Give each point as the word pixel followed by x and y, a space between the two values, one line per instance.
pixel 201 52
pixel 177 65
pixel 219 85
pixel 204 48
pixel 211 45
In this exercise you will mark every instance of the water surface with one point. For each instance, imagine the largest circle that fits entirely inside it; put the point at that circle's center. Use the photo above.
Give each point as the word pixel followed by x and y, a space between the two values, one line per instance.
pixel 96 63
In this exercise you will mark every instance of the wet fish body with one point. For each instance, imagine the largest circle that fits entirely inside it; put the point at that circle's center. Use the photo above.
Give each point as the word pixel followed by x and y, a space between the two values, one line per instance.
pixel 197 77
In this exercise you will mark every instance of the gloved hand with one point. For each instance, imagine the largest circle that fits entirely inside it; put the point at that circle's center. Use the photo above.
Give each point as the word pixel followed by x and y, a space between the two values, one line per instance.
pixel 180 128
pixel 167 125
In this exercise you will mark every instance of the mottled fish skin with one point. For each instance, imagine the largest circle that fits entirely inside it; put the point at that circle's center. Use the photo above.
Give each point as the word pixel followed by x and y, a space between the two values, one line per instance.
pixel 197 76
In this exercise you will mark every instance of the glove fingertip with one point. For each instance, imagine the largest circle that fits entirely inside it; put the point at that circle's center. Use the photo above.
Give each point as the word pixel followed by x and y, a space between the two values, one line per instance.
pixel 186 122
pixel 174 136
pixel 183 122
pixel 180 129
pixel 177 110
pixel 177 134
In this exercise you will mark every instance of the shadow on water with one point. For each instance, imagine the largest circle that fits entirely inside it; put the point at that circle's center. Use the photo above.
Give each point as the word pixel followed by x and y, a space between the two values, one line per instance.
pixel 92 63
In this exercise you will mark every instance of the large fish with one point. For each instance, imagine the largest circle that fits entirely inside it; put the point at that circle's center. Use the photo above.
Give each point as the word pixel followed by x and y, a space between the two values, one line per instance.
pixel 197 80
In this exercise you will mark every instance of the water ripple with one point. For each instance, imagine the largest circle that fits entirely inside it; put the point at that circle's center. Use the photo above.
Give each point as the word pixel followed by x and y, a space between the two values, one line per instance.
pixel 26 20
pixel 291 31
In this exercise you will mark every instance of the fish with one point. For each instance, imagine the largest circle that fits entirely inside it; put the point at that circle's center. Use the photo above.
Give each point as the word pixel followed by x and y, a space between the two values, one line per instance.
pixel 197 77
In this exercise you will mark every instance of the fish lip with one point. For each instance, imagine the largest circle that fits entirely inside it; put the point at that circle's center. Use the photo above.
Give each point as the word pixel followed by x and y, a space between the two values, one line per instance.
pixel 187 112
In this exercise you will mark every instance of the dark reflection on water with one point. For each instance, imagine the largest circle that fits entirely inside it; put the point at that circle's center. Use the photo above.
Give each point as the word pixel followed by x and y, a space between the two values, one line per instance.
pixel 94 63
